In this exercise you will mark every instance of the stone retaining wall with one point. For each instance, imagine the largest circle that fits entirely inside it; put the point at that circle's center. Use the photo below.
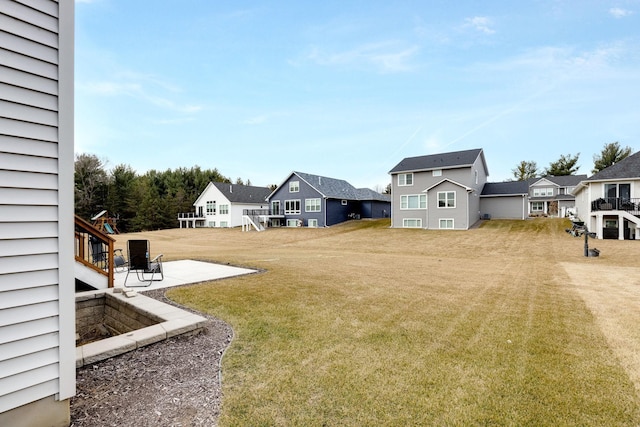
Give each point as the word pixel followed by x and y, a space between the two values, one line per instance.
pixel 102 315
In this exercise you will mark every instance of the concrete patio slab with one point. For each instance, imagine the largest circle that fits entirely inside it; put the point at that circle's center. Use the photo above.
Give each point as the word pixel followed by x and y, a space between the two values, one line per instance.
pixel 173 320
pixel 183 272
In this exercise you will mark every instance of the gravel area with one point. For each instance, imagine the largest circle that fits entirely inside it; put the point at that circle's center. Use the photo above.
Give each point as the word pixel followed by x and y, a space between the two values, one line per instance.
pixel 174 383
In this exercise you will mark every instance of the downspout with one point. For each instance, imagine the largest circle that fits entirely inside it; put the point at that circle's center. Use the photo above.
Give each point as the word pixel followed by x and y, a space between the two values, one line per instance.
pixel 325 211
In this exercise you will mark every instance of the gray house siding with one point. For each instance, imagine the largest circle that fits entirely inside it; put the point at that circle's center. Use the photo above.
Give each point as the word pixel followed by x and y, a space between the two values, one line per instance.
pixel 459 214
pixel 339 200
pixel 338 212
pixel 305 191
pixel 504 207
pixel 466 168
pixel 375 209
pixel 37 301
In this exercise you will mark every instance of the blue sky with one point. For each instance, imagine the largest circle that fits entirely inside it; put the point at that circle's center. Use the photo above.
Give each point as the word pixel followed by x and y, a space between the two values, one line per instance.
pixel 346 89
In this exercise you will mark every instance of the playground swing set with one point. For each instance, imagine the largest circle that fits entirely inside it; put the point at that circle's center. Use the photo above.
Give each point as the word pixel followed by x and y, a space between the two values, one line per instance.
pixel 104 223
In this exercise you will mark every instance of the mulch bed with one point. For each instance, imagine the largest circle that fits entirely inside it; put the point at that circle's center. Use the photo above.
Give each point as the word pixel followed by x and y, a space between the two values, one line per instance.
pixel 174 383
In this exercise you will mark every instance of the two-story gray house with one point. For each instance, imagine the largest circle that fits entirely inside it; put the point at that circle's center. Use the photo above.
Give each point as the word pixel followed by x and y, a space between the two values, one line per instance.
pixel 552 195
pixel 438 191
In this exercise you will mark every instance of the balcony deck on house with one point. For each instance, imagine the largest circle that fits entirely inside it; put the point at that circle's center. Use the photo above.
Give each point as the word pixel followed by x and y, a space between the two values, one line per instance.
pixel 631 206
pixel 191 219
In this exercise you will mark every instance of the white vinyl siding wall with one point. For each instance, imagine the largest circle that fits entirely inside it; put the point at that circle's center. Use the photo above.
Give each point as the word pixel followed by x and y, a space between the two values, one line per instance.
pixel 37 301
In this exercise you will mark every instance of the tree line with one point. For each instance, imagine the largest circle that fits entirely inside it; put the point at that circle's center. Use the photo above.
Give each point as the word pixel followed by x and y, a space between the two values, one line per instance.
pixel 568 164
pixel 150 201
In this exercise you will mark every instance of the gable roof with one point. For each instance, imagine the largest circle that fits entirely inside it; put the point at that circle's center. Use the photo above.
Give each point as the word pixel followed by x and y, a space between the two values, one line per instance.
pixel 629 167
pixel 333 188
pixel 560 181
pixel 507 188
pixel 369 194
pixel 455 159
pixel 447 180
pixel 329 187
pixel 237 193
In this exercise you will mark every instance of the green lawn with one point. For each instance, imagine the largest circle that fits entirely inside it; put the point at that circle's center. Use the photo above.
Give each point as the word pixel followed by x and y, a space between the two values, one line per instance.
pixel 363 325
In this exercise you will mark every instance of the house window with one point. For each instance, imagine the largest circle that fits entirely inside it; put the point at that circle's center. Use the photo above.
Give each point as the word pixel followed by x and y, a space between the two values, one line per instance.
pixel 212 223
pixel 437 172
pixel 224 209
pixel 447 199
pixel 412 223
pixel 413 201
pixel 211 207
pixel 405 179
pixel 312 205
pixel 622 191
pixel 446 223
pixel 294 223
pixel 543 192
pixel 312 223
pixel 476 176
pixel 292 207
pixel 537 206
pixel 294 186
pixel 224 224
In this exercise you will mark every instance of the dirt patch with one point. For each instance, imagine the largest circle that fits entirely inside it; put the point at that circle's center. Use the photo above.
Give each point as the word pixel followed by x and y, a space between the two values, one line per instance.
pixel 175 382
pixel 612 294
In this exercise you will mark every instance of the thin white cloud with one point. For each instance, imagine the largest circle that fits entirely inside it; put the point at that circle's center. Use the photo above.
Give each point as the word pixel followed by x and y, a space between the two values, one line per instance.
pixel 140 87
pixel 257 120
pixel 387 57
pixel 482 24
pixel 618 13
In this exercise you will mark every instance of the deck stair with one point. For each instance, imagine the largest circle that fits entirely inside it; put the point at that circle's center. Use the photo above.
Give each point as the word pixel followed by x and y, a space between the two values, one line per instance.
pixel 94 255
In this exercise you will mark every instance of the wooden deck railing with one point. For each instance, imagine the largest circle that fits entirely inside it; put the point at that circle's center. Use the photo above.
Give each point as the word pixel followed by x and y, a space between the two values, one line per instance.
pixel 94 249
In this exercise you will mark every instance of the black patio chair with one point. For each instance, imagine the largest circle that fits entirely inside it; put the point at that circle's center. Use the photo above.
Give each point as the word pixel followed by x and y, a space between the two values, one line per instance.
pixel 139 261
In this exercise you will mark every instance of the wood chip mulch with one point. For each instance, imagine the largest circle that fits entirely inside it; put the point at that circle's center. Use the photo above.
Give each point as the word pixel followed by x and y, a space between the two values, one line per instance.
pixel 173 383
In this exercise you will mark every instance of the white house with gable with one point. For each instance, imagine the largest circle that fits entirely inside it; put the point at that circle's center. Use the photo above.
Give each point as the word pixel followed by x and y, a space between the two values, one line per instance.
pixel 221 205
pixel 37 290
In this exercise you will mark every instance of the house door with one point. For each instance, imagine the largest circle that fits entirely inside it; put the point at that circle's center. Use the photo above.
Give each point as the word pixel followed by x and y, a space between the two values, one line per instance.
pixel 617 194
pixel 200 213
pixel 275 207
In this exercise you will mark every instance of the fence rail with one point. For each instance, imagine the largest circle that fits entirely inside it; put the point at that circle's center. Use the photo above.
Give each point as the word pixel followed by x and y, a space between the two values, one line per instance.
pixel 266 212
pixel 616 204
pixel 94 249
pixel 190 215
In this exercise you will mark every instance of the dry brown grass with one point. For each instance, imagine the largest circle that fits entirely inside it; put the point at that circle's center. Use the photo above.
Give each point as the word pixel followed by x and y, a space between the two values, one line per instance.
pixel 360 324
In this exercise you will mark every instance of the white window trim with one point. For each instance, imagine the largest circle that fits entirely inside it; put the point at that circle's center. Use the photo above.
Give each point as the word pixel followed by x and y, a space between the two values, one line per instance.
pixel 403 182
pixel 436 172
pixel 294 187
pixel 417 220
pixel 534 204
pixel 292 212
pixel 312 222
pixel 446 199
pixel 542 191
pixel 422 198
pixel 453 225
pixel 308 205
